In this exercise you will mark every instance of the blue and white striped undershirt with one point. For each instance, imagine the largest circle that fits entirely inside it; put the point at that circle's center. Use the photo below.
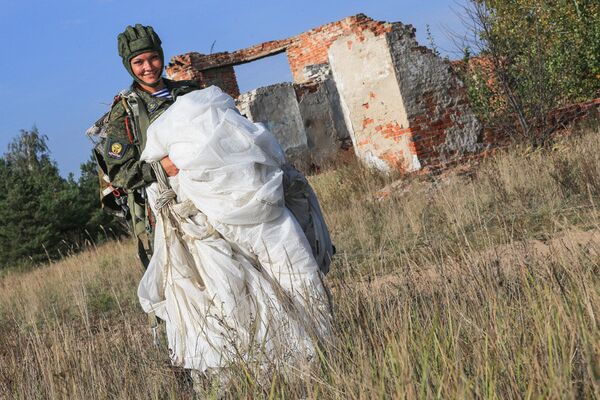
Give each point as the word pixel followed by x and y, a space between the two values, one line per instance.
pixel 163 94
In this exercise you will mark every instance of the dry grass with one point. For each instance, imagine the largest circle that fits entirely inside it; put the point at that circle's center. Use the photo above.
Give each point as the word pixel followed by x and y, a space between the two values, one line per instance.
pixel 482 284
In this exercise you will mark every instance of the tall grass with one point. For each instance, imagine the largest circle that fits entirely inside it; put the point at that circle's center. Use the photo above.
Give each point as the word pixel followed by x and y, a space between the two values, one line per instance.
pixel 482 283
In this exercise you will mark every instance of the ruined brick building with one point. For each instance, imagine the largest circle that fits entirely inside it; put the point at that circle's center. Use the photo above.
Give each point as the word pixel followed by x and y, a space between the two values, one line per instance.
pixel 357 80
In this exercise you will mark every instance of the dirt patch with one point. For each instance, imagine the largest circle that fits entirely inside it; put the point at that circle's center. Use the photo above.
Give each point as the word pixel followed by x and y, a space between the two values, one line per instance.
pixel 506 259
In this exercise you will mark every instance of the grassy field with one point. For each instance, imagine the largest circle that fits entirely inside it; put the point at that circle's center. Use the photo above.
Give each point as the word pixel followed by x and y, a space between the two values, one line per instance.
pixel 480 283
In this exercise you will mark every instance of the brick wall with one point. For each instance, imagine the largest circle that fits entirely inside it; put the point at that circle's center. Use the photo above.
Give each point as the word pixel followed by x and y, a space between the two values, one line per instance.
pixel 307 48
pixel 429 130
pixel 311 47
pixel 184 68
pixel 223 77
pixel 406 108
pixel 441 122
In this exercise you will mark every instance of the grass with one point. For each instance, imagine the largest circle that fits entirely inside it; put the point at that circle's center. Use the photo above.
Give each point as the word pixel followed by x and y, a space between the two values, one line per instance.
pixel 480 283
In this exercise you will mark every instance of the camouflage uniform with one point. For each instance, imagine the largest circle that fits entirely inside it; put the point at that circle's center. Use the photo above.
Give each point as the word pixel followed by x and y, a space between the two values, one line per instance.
pixel 122 156
pixel 123 147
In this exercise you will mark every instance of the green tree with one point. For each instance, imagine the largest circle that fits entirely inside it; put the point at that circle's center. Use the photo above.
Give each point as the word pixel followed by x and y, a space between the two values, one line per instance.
pixel 32 203
pixel 44 215
pixel 544 54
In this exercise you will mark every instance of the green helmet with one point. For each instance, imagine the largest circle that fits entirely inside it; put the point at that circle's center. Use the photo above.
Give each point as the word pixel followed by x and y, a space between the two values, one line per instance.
pixel 135 41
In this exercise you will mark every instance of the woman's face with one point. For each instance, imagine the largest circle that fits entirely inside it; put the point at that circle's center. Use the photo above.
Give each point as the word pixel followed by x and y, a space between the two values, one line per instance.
pixel 147 67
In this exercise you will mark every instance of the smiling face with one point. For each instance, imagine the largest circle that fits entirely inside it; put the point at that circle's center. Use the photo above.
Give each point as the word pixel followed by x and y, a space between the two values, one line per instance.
pixel 147 67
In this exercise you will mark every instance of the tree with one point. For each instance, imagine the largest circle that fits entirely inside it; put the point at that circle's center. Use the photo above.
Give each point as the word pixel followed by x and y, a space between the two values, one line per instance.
pixel 544 54
pixel 44 215
pixel 29 151
pixel 32 203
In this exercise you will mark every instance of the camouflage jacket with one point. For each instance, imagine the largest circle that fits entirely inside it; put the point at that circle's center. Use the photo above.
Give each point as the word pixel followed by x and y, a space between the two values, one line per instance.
pixel 122 151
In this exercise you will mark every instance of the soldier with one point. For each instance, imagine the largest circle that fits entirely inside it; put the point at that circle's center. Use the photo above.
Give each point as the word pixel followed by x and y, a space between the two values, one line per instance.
pixel 133 110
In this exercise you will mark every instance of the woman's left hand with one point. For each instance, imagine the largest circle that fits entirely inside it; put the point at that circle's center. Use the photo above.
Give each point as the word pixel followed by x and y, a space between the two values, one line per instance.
pixel 169 167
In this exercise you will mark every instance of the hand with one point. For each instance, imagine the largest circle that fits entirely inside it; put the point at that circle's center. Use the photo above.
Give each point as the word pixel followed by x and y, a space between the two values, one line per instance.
pixel 169 167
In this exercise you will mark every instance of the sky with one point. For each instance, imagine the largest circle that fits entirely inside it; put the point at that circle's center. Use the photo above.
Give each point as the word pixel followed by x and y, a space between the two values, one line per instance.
pixel 60 66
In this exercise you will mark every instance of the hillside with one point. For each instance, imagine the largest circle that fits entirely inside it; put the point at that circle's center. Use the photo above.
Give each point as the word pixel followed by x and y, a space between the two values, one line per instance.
pixel 482 282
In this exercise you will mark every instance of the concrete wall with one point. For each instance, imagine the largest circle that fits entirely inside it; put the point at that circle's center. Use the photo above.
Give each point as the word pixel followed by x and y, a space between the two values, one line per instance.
pixel 276 107
pixel 363 70
pixel 405 107
pixel 323 122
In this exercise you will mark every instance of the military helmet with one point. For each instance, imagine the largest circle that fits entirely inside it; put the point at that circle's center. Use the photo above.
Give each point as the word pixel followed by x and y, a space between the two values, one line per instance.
pixel 135 41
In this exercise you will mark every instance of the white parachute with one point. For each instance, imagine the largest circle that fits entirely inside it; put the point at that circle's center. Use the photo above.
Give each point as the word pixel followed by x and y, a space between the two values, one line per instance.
pixel 232 275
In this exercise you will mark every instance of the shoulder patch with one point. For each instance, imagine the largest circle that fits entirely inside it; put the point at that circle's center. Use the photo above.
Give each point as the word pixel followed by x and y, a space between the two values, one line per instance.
pixel 116 149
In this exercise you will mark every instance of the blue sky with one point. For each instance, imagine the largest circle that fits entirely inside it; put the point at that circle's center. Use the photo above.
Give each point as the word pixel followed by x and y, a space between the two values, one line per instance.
pixel 60 66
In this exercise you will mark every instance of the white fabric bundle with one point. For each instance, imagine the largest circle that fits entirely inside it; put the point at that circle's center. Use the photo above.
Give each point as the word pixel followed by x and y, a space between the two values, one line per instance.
pixel 230 167
pixel 236 279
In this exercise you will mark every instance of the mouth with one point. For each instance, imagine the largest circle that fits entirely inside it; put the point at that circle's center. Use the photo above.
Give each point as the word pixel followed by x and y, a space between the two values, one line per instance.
pixel 151 76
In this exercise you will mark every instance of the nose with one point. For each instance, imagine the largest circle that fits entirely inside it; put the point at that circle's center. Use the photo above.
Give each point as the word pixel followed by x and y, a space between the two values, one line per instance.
pixel 147 65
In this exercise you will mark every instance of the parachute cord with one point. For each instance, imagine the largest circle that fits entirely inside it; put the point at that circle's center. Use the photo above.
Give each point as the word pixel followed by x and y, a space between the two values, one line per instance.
pixel 166 198
pixel 166 194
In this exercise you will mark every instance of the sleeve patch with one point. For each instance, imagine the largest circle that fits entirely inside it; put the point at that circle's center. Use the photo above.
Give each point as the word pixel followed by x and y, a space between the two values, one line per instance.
pixel 116 149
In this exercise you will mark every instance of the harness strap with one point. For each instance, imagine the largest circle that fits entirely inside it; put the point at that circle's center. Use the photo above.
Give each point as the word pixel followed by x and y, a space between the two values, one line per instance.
pixel 108 190
pixel 142 121
pixel 128 129
pixel 138 117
